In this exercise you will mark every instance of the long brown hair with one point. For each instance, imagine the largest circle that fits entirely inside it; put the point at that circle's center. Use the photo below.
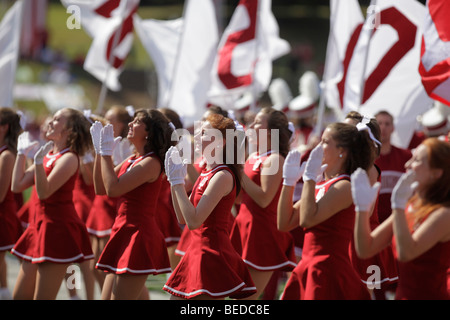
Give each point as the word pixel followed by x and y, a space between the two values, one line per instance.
pixel 9 117
pixel 159 132
pixel 79 139
pixel 278 120
pixel 360 148
pixel 224 124
pixel 437 194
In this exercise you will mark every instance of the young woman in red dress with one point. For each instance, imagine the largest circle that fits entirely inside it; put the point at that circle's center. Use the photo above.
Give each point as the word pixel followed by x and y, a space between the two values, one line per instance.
pixel 326 212
pixel 419 225
pixel 210 267
pixel 136 247
pixel 56 237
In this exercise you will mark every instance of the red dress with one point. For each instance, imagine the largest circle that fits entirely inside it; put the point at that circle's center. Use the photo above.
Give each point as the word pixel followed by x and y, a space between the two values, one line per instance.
pixel 10 226
pixel 384 260
pixel 165 215
pixel 426 276
pixel 56 232
pixel 255 234
pixel 83 196
pixel 101 217
pixel 325 271
pixel 136 245
pixel 210 265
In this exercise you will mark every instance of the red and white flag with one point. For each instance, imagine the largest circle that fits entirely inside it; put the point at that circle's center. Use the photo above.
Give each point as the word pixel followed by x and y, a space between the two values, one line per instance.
pixel 380 75
pixel 346 21
pixel 183 52
pixel 110 24
pixel 434 65
pixel 9 52
pixel 246 51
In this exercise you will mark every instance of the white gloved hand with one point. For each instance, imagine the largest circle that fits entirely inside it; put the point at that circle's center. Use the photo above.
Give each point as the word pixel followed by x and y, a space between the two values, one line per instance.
pixel 122 150
pixel 364 195
pixel 175 167
pixel 96 130
pixel 314 168
pixel 25 146
pixel 403 190
pixel 42 152
pixel 292 171
pixel 107 141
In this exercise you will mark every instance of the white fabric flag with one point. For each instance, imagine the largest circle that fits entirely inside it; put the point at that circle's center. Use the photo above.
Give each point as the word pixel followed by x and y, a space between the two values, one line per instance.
pixel 110 24
pixel 381 74
pixel 161 40
pixel 435 55
pixel 346 21
pixel 183 53
pixel 9 52
pixel 246 51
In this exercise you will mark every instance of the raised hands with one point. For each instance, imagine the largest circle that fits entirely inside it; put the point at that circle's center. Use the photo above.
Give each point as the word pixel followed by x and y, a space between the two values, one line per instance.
pixel 314 168
pixel 364 195
pixel 292 171
pixel 175 167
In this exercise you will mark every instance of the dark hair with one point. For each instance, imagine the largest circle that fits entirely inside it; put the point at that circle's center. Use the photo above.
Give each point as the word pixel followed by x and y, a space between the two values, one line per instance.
pixel 223 124
pixel 159 132
pixel 79 139
pixel 217 110
pixel 372 124
pixel 173 117
pixel 360 148
pixel 9 117
pixel 278 120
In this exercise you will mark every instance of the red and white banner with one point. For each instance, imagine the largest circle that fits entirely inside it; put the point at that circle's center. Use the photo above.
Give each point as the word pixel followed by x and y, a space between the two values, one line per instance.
pixel 183 52
pixel 9 52
pixel 110 24
pixel 435 51
pixel 380 75
pixel 346 21
pixel 246 50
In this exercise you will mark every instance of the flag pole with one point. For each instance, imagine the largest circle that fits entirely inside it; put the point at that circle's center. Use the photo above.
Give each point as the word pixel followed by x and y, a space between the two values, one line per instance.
pixel 104 89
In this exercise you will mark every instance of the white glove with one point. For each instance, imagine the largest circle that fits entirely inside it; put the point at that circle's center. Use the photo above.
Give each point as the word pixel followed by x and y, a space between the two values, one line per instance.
pixel 96 130
pixel 292 171
pixel 25 146
pixel 42 152
pixel 314 168
pixel 87 158
pixel 364 195
pixel 175 166
pixel 107 141
pixel 122 150
pixel 403 190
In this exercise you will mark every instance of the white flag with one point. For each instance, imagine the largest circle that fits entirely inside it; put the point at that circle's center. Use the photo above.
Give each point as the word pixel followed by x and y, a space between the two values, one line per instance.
pixel 435 56
pixel 183 53
pixel 9 52
pixel 110 24
pixel 161 39
pixel 383 73
pixel 247 48
pixel 346 21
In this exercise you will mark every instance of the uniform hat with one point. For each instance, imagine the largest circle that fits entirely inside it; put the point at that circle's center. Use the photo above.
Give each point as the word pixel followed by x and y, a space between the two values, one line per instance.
pixel 304 104
pixel 436 121
pixel 280 94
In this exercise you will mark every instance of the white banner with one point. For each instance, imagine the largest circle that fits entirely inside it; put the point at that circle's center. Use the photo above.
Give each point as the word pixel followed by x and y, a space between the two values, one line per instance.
pixel 383 73
pixel 9 52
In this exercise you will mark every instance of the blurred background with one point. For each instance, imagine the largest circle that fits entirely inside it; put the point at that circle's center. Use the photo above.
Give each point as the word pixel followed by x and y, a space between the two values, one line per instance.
pixel 52 53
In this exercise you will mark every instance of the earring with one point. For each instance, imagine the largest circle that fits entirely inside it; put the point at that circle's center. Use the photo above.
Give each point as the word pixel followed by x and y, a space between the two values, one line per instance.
pixel 340 156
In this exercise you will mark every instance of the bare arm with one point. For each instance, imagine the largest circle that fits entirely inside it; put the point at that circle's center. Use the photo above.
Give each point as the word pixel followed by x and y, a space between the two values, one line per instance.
pixel 7 159
pixel 436 228
pixel 147 170
pixel 22 177
pixel 287 214
pixel 271 178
